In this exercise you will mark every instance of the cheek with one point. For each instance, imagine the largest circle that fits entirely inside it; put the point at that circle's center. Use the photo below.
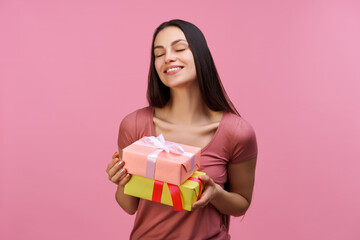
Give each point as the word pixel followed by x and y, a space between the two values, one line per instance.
pixel 190 60
pixel 192 66
pixel 157 67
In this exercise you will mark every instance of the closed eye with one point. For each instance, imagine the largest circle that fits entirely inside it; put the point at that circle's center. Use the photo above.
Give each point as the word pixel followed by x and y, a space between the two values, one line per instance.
pixel 179 50
pixel 159 55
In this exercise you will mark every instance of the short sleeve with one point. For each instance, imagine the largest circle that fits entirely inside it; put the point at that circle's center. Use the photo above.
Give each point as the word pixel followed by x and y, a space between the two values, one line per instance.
pixel 244 142
pixel 127 131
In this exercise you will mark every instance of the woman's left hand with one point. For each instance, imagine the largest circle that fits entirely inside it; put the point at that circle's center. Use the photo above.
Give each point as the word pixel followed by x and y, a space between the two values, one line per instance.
pixel 211 189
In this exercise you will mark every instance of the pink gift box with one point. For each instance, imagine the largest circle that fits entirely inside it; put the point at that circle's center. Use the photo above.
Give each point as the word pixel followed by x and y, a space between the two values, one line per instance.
pixel 154 162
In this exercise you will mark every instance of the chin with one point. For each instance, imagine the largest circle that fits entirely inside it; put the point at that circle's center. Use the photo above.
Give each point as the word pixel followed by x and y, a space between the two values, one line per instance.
pixel 179 84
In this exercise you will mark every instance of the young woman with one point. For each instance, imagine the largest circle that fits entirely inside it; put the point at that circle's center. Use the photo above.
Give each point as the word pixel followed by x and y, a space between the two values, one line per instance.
pixel 187 104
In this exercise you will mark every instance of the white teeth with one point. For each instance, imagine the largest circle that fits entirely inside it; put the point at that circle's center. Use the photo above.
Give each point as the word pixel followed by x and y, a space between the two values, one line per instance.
pixel 173 69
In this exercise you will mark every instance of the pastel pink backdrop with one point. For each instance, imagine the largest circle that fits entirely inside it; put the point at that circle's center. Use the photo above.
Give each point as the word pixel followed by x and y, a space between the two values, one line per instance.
pixel 71 70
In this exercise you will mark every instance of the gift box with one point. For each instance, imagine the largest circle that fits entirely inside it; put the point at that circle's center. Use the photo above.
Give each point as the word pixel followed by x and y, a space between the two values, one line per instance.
pixel 155 158
pixel 180 197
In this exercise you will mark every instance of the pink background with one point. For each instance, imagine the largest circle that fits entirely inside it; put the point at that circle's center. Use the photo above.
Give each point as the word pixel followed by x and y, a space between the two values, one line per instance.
pixel 70 71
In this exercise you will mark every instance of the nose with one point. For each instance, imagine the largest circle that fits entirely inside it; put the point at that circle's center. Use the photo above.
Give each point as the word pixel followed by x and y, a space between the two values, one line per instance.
pixel 170 57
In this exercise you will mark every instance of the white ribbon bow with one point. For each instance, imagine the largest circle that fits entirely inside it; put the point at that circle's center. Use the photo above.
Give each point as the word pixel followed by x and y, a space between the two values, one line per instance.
pixel 160 143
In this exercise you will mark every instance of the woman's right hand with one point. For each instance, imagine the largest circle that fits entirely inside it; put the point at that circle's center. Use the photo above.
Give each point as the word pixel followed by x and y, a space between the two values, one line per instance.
pixel 119 175
pixel 116 171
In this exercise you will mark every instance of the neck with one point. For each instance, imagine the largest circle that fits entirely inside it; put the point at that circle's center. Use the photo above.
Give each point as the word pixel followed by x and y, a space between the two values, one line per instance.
pixel 186 106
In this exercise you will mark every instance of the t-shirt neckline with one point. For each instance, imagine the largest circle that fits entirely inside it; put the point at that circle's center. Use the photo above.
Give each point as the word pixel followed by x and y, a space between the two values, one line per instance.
pixel 152 109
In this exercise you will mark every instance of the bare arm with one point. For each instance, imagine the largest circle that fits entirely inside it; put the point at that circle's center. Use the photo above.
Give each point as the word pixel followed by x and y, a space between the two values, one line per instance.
pixel 237 200
pixel 118 175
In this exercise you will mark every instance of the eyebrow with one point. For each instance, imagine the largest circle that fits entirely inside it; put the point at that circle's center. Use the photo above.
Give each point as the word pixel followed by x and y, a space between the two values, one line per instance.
pixel 172 44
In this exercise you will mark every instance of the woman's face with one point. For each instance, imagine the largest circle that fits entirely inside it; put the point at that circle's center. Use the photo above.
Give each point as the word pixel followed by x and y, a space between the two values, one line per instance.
pixel 174 61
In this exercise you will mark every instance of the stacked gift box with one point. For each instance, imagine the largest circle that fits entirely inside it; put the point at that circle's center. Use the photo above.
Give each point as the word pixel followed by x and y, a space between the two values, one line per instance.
pixel 163 172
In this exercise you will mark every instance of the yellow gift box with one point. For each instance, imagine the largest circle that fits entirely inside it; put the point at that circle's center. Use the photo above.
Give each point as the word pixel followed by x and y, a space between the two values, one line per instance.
pixel 183 196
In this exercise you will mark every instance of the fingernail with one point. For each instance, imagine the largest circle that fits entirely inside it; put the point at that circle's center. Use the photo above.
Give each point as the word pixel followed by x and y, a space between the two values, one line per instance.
pixel 119 163
pixel 122 171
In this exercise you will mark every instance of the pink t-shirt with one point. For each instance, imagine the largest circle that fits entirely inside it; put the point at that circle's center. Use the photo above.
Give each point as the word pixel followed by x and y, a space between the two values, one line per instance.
pixel 233 142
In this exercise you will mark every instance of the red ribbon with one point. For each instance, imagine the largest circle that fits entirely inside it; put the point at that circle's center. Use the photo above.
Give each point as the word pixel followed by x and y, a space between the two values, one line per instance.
pixel 199 182
pixel 174 191
pixel 175 197
pixel 157 192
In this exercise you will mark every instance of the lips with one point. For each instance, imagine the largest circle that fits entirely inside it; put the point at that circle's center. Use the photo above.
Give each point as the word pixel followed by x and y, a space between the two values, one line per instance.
pixel 173 69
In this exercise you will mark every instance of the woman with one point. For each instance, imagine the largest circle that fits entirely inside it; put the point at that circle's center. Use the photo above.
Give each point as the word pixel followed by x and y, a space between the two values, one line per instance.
pixel 188 105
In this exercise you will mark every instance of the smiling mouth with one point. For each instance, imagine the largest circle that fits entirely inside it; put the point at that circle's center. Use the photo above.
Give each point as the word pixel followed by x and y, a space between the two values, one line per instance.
pixel 173 69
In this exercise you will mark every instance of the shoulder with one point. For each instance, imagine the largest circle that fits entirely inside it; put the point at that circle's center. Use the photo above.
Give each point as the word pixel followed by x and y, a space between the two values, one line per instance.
pixel 133 126
pixel 131 119
pixel 238 127
pixel 241 137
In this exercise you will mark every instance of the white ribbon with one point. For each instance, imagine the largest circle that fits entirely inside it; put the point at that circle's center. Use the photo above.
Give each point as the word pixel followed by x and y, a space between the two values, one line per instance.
pixel 162 145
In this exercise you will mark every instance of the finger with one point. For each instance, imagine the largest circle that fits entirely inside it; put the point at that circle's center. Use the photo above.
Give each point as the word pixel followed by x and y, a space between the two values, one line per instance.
pixel 114 158
pixel 205 179
pixel 200 203
pixel 203 201
pixel 116 178
pixel 115 155
pixel 115 168
pixel 125 179
pixel 112 163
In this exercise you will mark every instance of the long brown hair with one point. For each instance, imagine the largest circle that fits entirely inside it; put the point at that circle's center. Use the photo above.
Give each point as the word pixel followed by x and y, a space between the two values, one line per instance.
pixel 211 88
